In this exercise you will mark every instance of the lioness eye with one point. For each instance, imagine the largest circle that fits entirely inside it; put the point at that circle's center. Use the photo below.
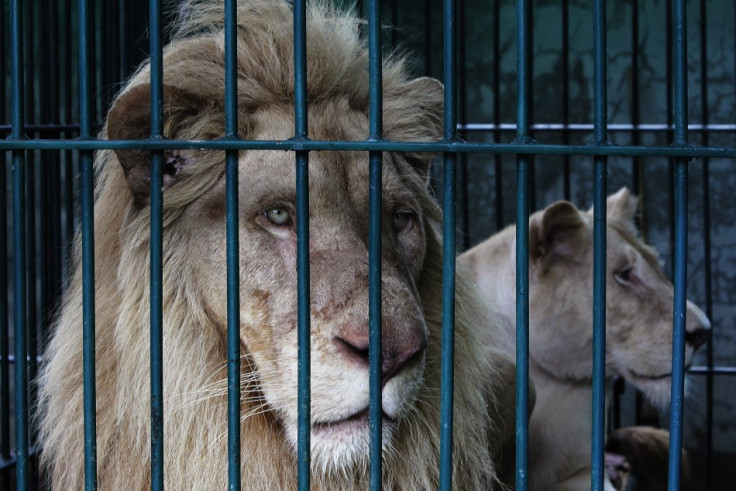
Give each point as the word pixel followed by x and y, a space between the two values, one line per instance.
pixel 279 216
pixel 403 219
pixel 624 275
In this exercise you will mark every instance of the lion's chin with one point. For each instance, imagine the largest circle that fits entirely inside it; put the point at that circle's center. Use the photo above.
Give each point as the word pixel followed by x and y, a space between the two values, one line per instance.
pixel 338 446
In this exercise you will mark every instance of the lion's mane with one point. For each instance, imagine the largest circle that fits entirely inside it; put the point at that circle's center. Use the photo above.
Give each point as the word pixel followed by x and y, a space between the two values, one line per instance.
pixel 195 404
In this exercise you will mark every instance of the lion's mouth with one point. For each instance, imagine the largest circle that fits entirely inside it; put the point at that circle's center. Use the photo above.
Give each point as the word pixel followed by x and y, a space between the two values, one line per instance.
pixel 359 418
pixel 660 376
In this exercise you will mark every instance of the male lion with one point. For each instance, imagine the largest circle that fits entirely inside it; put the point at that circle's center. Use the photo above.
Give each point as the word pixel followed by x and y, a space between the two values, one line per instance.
pixel 194 272
pixel 638 325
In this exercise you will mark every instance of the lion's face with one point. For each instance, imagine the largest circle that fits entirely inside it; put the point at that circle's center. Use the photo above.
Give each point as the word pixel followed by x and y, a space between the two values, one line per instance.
pixel 639 300
pixel 338 212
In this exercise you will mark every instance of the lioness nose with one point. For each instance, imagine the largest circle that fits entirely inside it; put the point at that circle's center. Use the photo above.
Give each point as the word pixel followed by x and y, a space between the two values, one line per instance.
pixel 396 351
pixel 697 328
pixel 696 338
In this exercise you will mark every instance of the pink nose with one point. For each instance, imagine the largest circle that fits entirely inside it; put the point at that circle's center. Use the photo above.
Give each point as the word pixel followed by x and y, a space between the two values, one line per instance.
pixel 396 351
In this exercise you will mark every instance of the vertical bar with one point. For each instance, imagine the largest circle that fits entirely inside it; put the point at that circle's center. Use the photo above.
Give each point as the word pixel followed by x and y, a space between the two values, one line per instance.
pixel 157 401
pixel 463 117
pixel 4 341
pixel 19 247
pixel 428 37
pixel 680 210
pixel 599 248
pixel 88 272
pixel 565 97
pixel 394 22
pixel 31 75
pixel 302 242
pixel 637 170
pixel 3 54
pixel 448 248
pixel 374 258
pixel 233 260
pixel 708 269
pixel 4 318
pixel 123 32
pixel 670 133
pixel 523 15
pixel 497 169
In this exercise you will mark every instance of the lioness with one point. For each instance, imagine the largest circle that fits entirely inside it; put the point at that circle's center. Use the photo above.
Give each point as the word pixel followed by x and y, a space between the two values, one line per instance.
pixel 194 270
pixel 638 325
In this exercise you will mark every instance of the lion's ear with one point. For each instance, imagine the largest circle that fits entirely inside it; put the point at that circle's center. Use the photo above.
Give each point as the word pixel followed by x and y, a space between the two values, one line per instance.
pixel 414 112
pixel 130 119
pixel 557 231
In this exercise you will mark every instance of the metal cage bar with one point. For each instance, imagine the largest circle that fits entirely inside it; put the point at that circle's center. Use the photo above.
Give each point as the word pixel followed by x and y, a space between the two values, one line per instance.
pixel 302 242
pixel 523 170
pixel 707 259
pixel 599 249
pixel 88 251
pixel 156 285
pixel 233 247
pixel 4 325
pixel 19 246
pixel 448 246
pixel 375 200
pixel 515 147
pixel 679 21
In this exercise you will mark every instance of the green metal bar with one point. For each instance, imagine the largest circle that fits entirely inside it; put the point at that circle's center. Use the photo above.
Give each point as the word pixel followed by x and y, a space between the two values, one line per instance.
pixel 600 136
pixel 88 266
pixel 19 247
pixel 514 148
pixel 233 247
pixel 523 165
pixel 4 335
pixel 302 243
pixel 157 389
pixel 522 321
pixel 374 320
pixel 374 246
pixel 680 262
pixel 599 324
pixel 449 204
pixel 707 254
pixel 19 302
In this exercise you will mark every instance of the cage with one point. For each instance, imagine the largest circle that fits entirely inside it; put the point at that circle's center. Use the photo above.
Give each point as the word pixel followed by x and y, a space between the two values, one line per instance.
pixel 566 99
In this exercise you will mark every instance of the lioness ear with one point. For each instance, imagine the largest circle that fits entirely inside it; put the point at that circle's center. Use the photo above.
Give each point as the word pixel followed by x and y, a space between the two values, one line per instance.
pixel 622 207
pixel 557 231
pixel 130 119
pixel 414 112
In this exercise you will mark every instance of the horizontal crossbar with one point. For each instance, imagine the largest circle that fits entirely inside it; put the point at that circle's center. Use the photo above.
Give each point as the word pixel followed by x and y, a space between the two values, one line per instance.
pixel 688 151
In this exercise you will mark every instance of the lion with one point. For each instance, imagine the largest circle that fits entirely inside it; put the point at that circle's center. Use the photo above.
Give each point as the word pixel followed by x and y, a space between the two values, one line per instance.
pixel 194 279
pixel 638 325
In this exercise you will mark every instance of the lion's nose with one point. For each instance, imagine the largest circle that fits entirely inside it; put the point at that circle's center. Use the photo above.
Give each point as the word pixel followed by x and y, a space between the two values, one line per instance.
pixel 697 337
pixel 396 352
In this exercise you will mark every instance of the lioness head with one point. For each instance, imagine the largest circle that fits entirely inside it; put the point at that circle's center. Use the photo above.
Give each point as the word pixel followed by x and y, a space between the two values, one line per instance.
pixel 639 299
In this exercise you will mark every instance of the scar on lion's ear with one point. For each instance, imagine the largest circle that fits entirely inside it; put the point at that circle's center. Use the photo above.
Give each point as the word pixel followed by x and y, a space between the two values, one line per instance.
pixel 557 231
pixel 414 112
pixel 130 119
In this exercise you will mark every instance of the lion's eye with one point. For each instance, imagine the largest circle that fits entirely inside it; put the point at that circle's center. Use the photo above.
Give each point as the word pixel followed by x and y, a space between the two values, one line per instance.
pixel 624 275
pixel 279 216
pixel 403 219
